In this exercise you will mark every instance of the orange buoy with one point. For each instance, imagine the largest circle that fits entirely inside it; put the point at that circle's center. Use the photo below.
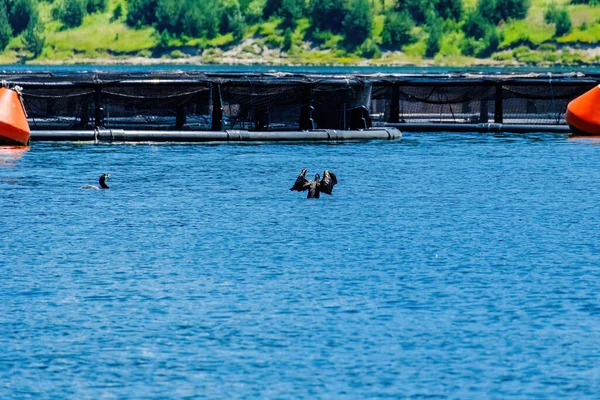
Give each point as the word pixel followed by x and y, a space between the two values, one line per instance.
pixel 583 113
pixel 14 128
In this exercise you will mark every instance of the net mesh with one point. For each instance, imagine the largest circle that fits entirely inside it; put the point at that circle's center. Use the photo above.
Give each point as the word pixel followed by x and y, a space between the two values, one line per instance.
pixel 200 101
pixel 538 104
pixel 157 108
pixel 53 108
pixel 436 103
pixel 260 106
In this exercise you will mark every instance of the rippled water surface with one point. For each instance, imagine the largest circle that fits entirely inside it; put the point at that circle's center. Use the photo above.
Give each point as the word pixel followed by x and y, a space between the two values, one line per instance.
pixel 461 266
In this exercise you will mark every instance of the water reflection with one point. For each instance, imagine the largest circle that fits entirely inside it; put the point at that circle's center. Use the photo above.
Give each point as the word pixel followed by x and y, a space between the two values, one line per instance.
pixel 585 139
pixel 10 154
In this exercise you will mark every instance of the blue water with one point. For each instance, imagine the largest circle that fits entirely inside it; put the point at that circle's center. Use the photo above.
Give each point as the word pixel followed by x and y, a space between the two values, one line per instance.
pixel 446 265
pixel 123 68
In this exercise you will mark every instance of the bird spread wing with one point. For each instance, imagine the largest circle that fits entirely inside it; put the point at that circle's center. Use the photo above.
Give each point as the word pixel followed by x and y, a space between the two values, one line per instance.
pixel 329 180
pixel 301 183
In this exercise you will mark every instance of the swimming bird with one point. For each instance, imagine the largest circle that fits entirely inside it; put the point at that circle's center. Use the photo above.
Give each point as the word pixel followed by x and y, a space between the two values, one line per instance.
pixel 102 182
pixel 317 185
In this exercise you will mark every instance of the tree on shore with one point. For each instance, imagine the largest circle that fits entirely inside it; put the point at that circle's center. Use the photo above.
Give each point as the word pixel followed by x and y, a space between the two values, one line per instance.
pixel 287 40
pixel 357 23
pixel 481 36
pixel 168 16
pixel 253 10
pixel 417 9
pixel 71 13
pixel 495 11
pixel 397 28
pixel 434 28
pixel 420 9
pixel 117 13
pixel 449 9
pixel 272 7
pixel 33 37
pixel 327 15
pixel 232 20
pixel 5 29
pixel 563 22
pixel 19 14
pixel 559 16
pixel 291 11
pixel 94 6
pixel 141 12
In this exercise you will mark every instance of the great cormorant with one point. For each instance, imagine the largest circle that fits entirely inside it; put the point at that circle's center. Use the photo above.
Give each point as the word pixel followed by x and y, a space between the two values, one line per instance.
pixel 102 182
pixel 317 185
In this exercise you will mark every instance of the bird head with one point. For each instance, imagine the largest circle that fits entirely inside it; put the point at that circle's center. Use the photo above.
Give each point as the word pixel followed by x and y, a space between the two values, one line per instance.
pixel 317 177
pixel 103 181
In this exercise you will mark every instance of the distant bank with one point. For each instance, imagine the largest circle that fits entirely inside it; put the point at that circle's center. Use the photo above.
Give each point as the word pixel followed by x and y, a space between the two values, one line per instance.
pixel 387 33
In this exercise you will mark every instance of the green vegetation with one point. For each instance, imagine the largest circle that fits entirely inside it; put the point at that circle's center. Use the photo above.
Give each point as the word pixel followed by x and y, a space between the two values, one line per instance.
pixel 33 37
pixel 19 14
pixel 5 28
pixel 397 30
pixel 448 32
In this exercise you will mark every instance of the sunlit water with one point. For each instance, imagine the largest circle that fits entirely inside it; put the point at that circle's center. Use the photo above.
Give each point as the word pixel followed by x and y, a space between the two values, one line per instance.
pixel 318 69
pixel 461 266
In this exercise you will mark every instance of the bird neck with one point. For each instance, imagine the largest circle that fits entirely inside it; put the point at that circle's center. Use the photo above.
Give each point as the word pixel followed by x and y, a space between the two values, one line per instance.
pixel 103 184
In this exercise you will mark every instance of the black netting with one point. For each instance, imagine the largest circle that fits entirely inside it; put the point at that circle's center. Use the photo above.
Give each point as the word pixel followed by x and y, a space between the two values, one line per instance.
pixel 334 104
pixel 199 101
pixel 434 103
pixel 261 106
pixel 279 106
pixel 53 108
pixel 544 103
pixel 157 107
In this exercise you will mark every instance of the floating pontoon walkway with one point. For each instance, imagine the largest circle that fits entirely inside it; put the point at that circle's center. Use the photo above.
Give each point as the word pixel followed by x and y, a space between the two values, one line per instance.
pixel 206 106
pixel 121 135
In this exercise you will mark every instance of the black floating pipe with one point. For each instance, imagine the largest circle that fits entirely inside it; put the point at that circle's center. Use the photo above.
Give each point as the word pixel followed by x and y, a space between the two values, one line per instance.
pixel 119 135
pixel 483 127
pixel 61 135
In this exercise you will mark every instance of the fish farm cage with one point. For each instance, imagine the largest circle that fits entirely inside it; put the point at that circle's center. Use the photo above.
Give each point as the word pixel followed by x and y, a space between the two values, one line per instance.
pixel 279 102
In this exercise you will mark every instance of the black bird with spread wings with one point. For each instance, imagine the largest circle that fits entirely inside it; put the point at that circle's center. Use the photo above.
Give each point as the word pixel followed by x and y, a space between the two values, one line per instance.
pixel 316 186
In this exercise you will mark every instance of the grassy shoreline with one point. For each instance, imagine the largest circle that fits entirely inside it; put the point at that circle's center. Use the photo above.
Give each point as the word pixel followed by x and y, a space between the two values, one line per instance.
pixel 104 41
